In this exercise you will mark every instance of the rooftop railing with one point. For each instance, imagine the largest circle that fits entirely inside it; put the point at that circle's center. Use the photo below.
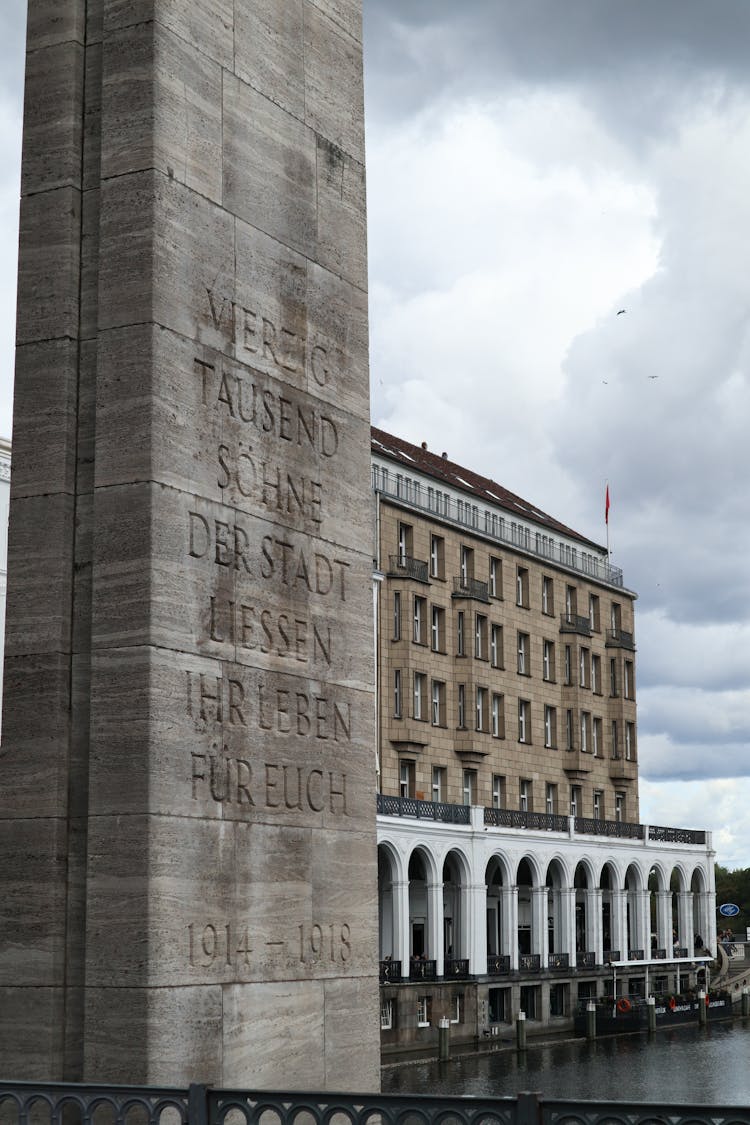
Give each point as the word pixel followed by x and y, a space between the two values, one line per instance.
pixel 465 514
pixel 535 821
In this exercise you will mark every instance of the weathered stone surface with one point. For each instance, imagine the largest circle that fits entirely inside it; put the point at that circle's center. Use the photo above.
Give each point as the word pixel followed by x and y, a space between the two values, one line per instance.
pixel 187 835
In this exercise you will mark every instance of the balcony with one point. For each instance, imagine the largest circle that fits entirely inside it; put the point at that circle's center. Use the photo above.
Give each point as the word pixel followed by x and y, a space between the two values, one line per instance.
pixel 623 769
pixel 471 588
pixel 457 968
pixel 390 971
pixel 422 969
pixel 585 960
pixel 423 810
pixel 619 829
pixel 619 638
pixel 574 623
pixel 676 835
pixel 529 962
pixel 514 818
pixel 636 955
pixel 403 566
pixel 498 964
pixel 611 955
pixel 559 961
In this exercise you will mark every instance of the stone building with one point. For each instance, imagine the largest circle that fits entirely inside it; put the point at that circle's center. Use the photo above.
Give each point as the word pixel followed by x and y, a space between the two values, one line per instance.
pixel 514 872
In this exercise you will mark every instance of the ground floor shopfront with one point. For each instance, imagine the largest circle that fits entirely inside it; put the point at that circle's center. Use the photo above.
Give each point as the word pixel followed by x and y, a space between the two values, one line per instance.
pixel 488 912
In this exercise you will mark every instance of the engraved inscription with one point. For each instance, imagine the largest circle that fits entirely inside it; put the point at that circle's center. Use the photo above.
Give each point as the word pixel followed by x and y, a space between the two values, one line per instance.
pixel 226 945
pixel 317 943
pixel 259 336
pixel 222 942
pixel 267 785
pixel 305 714
pixel 304 640
pixel 241 473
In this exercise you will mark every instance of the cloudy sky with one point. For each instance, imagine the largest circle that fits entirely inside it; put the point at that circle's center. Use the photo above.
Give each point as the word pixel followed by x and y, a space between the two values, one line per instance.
pixel 534 166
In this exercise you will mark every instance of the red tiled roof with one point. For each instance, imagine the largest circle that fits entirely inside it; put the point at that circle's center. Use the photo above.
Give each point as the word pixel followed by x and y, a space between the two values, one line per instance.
pixel 417 458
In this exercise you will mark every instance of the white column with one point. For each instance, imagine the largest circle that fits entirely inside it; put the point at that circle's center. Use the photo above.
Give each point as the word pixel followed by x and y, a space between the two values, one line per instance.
pixel 477 911
pixel 435 937
pixel 685 919
pixel 401 935
pixel 642 927
pixel 706 916
pixel 539 923
pixel 509 924
pixel 594 924
pixel 567 901
pixel 664 920
pixel 619 922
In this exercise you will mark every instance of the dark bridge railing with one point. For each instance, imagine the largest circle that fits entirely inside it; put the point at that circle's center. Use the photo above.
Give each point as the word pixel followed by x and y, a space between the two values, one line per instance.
pixel 202 1105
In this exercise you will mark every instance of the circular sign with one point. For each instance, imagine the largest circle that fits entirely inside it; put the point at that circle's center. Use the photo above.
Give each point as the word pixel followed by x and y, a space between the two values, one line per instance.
pixel 729 909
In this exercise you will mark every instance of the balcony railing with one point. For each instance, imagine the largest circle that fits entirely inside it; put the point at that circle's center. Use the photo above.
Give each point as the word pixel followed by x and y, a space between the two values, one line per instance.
pixel 514 818
pixel 471 588
pixel 620 638
pixel 658 954
pixel 574 623
pixel 403 566
pixel 529 962
pixel 534 821
pixel 390 971
pixel 586 960
pixel 456 967
pixel 619 829
pixel 498 964
pixel 559 961
pixel 493 526
pixel 636 955
pixel 611 955
pixel 423 810
pixel 422 969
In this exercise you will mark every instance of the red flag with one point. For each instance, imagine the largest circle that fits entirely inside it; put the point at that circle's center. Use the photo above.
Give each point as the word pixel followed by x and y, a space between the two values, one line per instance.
pixel 606 506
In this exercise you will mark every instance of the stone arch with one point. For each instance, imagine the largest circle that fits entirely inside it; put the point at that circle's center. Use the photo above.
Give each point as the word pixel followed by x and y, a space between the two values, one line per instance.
pixel 456 875
pixel 637 917
pixel 586 916
pixel 422 874
pixel 557 882
pixel 528 878
pixel 389 869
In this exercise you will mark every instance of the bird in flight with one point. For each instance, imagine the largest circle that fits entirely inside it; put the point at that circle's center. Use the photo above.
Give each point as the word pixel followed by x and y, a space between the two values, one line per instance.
pixel 621 311
pixel 653 376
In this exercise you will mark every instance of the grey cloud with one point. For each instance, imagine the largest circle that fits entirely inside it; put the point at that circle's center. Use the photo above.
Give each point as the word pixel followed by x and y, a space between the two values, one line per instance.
pixel 12 42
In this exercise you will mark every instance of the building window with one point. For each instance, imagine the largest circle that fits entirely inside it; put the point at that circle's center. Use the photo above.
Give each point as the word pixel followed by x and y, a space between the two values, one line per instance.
pixel 620 806
pixel 568 665
pixel 583 667
pixel 470 787
pixel 571 602
pixel 438 703
pixel 596 675
pixel 480 637
pixel 438 783
pixel 550 797
pixel 615 617
pixel 467 564
pixel 481 709
pixel 386 1014
pixel 424 1011
pixel 397 693
pixel 585 721
pixel 548 596
pixel 460 634
pixel 498 716
pixel 594 613
pixel 598 804
pixel 438 629
pixel 524 795
pixel 404 542
pixel 548 660
pixel 522 587
pixel 456 1008
pixel 615 745
pixel 630 741
pixel 550 726
pixel 524 720
pixel 406 779
pixel 498 791
pixel 568 729
pixel 496 578
pixel 575 800
pixel 628 682
pixel 420 691
pixel 613 677
pixel 596 738
pixel 524 660
pixel 462 706
pixel 496 646
pixel 437 556
pixel 396 616
pixel 420 613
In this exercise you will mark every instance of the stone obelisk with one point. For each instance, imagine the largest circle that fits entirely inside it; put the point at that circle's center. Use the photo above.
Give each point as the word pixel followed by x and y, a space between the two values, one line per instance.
pixel 187 863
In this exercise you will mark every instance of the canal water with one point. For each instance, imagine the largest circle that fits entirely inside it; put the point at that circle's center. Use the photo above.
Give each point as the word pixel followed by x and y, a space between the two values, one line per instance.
pixel 689 1065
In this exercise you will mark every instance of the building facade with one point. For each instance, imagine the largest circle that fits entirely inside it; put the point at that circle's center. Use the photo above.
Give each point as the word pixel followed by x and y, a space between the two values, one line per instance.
pixel 514 872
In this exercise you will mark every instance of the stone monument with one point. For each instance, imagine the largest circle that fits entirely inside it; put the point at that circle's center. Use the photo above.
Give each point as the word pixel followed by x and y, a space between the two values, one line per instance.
pixel 187 818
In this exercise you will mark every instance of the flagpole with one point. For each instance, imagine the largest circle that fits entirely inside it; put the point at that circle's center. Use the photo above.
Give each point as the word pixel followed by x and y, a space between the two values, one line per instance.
pixel 606 517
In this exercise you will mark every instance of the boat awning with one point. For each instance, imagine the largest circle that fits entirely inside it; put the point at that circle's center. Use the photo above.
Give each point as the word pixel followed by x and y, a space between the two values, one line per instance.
pixel 649 962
